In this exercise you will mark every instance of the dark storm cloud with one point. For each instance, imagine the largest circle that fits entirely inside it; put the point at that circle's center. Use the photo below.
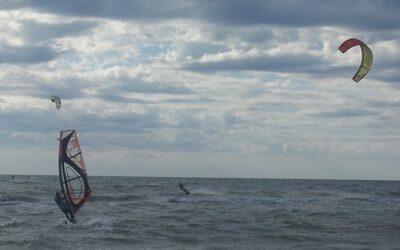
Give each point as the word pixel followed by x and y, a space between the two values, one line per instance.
pixel 293 13
pixel 301 63
pixel 26 54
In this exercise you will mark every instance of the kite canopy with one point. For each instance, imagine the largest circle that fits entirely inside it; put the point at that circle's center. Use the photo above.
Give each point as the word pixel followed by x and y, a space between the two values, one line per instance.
pixel 367 57
pixel 56 100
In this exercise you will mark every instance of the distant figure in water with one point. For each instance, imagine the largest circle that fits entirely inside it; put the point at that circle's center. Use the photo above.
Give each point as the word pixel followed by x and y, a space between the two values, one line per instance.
pixel 62 204
pixel 13 176
pixel 182 187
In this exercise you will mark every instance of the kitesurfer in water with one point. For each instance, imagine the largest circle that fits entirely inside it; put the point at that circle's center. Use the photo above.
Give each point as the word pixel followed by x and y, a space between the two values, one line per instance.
pixel 182 187
pixel 62 204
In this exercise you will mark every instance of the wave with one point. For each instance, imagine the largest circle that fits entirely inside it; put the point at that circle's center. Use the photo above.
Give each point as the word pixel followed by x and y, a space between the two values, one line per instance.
pixel 361 199
pixel 8 203
pixel 272 194
pixel 18 198
pixel 99 224
pixel 125 197
pixel 325 214
pixel 193 199
pixel 204 191
pixel 306 225
pixel 129 240
pixel 125 187
pixel 176 200
pixel 391 194
pixel 326 194
pixel 13 223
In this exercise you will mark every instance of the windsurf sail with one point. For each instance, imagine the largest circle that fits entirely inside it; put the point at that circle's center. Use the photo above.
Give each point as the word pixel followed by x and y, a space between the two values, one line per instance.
pixel 75 187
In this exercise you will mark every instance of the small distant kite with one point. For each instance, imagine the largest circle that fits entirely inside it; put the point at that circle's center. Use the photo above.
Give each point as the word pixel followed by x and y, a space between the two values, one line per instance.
pixel 56 100
pixel 367 57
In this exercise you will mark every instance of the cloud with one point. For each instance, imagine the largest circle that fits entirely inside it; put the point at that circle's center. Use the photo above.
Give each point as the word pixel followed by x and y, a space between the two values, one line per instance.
pixel 26 54
pixel 359 15
pixel 197 49
pixel 41 32
pixel 201 78
pixel 305 13
pixel 299 63
pixel 386 60
pixel 125 89
pixel 140 86
pixel 346 113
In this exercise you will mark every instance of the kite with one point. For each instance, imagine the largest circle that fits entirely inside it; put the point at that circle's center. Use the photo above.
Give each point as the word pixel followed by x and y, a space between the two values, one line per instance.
pixel 56 100
pixel 367 57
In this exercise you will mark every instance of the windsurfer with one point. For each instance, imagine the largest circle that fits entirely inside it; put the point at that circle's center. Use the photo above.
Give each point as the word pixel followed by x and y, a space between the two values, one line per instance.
pixel 62 204
pixel 182 187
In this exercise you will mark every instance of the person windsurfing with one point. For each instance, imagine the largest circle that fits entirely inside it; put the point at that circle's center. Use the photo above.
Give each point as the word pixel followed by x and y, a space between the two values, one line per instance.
pixel 62 204
pixel 182 187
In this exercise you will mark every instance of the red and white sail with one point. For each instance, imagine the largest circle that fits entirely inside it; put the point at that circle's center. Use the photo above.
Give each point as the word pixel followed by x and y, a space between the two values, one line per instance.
pixel 72 171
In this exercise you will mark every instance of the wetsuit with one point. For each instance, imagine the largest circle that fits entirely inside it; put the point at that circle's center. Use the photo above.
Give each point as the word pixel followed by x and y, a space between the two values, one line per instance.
pixel 182 187
pixel 62 204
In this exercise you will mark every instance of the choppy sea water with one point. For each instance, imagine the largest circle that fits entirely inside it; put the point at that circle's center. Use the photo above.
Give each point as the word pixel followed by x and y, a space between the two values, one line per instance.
pixel 152 213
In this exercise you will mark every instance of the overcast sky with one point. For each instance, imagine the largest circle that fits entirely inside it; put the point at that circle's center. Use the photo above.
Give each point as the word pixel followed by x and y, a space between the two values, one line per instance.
pixel 201 88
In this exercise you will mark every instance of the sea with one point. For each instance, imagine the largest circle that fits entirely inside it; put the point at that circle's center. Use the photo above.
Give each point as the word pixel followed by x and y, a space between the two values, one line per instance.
pixel 153 213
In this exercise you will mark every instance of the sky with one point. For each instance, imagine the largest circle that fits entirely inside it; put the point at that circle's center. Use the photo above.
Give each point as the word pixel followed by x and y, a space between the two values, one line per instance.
pixel 241 89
